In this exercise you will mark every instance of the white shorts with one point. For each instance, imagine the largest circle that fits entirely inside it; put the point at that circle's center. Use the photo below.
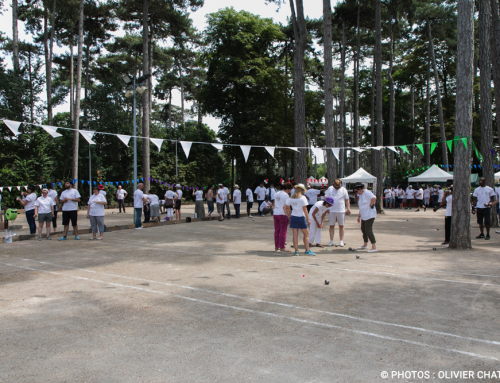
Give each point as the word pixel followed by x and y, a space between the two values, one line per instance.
pixel 337 217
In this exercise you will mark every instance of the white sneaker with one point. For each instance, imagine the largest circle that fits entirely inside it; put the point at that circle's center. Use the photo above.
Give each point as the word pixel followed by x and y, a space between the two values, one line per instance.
pixel 264 215
pixel 139 228
pixel 331 243
pixel 372 251
pixel 250 216
pixel 341 243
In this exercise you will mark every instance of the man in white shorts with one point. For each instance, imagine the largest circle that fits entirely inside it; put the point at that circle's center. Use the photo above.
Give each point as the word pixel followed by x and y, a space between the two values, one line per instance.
pixel 338 211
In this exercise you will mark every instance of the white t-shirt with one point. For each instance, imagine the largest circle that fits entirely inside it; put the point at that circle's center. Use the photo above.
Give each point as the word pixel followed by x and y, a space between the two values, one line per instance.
pixel 265 205
pixel 427 193
pixel 297 205
pixel 261 193
pixel 497 192
pixel 410 193
pixel 399 193
pixel 237 197
pixel 483 196
pixel 169 194
pixel 96 209
pixel 313 194
pixel 153 199
pixel 364 203
pixel 393 194
pixel 321 210
pixel 441 194
pixel 199 195
pixel 279 201
pixel 434 191
pixel 70 205
pixel 179 194
pixel 221 195
pixel 44 204
pixel 226 191
pixel 31 198
pixel 449 205
pixel 249 195
pixel 102 192
pixel 387 193
pixel 120 193
pixel 138 199
pixel 419 194
pixel 52 194
pixel 272 193
pixel 339 197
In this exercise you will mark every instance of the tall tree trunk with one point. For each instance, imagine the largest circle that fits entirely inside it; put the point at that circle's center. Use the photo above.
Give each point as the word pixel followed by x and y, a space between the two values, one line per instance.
pixel 495 57
pixel 428 115
pixel 48 43
pixel 87 82
pixel 300 34
pixel 15 37
pixel 32 98
pixel 379 154
pixel 412 101
pixel 486 119
pixel 342 100
pixel 76 121
pixel 182 99
pixel 460 226
pixel 356 127
pixel 145 96
pixel 372 122
pixel 71 84
pixel 170 109
pixel 392 101
pixel 438 97
pixel 331 168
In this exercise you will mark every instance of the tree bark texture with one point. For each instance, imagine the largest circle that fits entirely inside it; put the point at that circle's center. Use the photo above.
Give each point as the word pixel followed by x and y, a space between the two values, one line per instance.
pixel 460 226
pixel 48 42
pixel 392 102
pixel 328 90
pixel 438 97
pixel 145 96
pixel 379 154
pixel 342 101
pixel 71 84
pixel 372 122
pixel 300 34
pixel 76 121
pixel 428 115
pixel 15 37
pixel 495 57
pixel 356 127
pixel 412 106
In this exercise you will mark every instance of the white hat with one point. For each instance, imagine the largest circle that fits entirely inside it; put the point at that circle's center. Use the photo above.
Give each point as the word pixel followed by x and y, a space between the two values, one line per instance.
pixel 236 186
pixel 177 186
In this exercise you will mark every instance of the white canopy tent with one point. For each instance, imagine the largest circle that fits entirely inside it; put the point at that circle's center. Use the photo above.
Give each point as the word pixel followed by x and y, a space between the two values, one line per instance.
pixel 360 175
pixel 433 174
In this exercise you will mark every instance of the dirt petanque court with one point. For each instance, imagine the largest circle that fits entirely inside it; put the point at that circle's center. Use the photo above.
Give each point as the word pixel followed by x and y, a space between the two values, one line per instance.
pixel 213 302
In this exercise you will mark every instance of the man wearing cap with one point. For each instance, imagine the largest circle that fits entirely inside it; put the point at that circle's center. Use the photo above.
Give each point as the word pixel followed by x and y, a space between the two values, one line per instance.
pixel 237 200
pixel 120 196
pixel 44 209
pixel 178 202
pixel 28 200
pixel 317 216
pixel 260 192
pixel 338 211
pixel 139 200
pixel 70 198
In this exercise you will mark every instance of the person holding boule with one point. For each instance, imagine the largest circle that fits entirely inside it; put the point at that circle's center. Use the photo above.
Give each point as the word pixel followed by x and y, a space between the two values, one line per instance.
pixel 367 215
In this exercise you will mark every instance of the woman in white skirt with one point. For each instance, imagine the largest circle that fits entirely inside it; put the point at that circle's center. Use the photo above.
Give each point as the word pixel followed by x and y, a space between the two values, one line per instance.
pixel 154 206
pixel 95 212
pixel 296 210
pixel 199 208
pixel 317 216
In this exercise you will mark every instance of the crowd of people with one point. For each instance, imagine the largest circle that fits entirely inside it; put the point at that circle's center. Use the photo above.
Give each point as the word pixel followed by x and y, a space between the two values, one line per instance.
pixel 304 209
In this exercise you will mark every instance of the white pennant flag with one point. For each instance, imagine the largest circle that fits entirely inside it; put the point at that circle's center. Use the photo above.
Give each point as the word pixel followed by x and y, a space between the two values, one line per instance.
pixel 186 146
pixel 1 189
pixel 393 148
pixel 294 149
pixel 10 188
pixel 336 152
pixel 246 151
pixel 40 186
pixel 18 188
pixel 88 135
pixel 13 126
pixel 157 142
pixel 318 153
pixel 270 150
pixel 25 187
pixel 123 138
pixel 52 130
pixel 377 147
pixel 359 150
pixel 218 146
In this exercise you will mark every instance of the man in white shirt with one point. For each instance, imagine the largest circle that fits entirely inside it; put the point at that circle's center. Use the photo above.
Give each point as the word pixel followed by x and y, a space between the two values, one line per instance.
pixel 410 193
pixel 69 198
pixel 435 196
pixel 139 200
pixel 399 197
pixel 272 192
pixel 227 196
pixel 312 197
pixel 419 197
pixel 483 198
pixel 249 196
pixel 28 201
pixel 237 200
pixel 280 218
pixel 221 198
pixel 427 196
pixel 260 192
pixel 44 208
pixel 120 196
pixel 178 202
pixel 266 207
pixel 338 211
pixel 387 195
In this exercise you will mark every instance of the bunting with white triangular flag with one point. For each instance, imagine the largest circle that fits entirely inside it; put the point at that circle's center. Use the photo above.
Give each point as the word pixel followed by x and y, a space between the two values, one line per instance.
pixel 336 153
pixel 1 189
pixel 158 142
pixel 10 188
pixel 246 151
pixel 393 148
pixel 186 146
pixel 52 130
pixel 88 135
pixel 377 147
pixel 359 150
pixel 18 188
pixel 13 126
pixel 270 150
pixel 218 146
pixel 294 149
pixel 318 153
pixel 124 138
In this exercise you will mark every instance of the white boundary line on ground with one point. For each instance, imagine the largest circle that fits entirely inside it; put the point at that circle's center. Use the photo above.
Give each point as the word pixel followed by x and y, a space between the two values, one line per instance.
pixel 270 302
pixel 264 313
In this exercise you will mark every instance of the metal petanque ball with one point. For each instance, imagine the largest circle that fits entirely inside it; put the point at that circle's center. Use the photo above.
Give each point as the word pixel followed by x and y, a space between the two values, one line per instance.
pixel 357 256
pixel 433 248
pixel 438 228
pixel 327 282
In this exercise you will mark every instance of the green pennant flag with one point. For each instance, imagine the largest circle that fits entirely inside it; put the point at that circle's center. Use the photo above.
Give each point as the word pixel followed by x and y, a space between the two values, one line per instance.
pixel 433 146
pixel 464 140
pixel 405 149
pixel 450 145
pixel 420 147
